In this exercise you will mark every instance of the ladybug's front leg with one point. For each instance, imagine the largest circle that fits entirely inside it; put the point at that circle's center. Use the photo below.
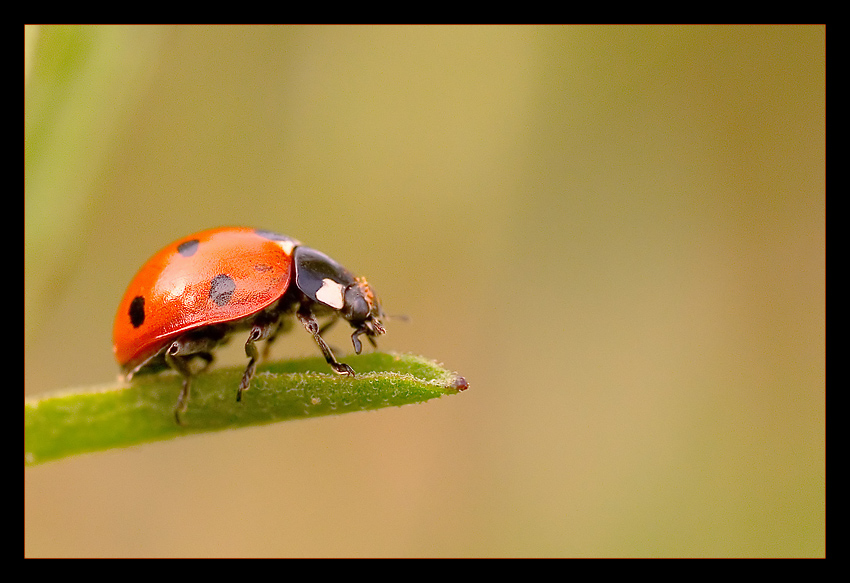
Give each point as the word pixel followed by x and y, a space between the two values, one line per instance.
pixel 309 321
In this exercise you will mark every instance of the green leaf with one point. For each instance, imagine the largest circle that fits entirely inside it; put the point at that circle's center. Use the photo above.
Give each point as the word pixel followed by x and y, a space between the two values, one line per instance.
pixel 108 416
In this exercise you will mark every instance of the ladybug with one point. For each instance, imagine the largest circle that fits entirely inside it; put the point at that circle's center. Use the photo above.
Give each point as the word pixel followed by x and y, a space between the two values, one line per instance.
pixel 195 293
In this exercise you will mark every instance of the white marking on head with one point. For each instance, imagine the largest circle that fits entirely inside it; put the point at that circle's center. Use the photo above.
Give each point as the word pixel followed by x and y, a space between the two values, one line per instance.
pixel 332 294
pixel 287 245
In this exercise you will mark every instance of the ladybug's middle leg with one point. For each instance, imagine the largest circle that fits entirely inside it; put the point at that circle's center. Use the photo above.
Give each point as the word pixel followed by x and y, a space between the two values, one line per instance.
pixel 264 328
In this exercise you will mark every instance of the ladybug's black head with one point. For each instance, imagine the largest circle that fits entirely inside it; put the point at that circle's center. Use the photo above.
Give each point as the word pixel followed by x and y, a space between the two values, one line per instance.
pixel 363 312
pixel 323 280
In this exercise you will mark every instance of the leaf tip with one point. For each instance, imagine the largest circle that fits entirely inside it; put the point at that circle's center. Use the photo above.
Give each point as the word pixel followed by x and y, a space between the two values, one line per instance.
pixel 458 383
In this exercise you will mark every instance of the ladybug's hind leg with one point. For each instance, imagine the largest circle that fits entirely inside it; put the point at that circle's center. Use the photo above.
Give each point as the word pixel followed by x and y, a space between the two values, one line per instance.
pixel 179 354
pixel 181 365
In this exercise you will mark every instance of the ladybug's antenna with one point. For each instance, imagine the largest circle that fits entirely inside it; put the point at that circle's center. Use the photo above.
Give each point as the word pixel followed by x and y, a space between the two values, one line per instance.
pixel 400 317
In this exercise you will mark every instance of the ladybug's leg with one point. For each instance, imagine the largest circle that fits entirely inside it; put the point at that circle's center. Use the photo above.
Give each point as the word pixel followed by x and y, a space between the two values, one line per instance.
pixel 264 327
pixel 181 365
pixel 178 355
pixel 309 321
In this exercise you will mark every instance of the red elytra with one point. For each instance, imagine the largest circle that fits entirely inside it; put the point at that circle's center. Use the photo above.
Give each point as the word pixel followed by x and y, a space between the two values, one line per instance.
pixel 195 292
pixel 171 293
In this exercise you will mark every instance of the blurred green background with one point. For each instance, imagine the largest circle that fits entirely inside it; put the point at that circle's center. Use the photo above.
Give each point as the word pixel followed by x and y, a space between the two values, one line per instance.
pixel 615 233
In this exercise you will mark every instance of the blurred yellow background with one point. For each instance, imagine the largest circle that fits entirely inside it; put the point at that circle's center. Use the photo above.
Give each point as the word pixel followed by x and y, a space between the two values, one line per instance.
pixel 616 234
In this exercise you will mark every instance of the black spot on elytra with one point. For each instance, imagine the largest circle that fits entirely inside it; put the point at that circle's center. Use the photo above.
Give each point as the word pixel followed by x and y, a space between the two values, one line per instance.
pixel 188 248
pixel 221 289
pixel 137 311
